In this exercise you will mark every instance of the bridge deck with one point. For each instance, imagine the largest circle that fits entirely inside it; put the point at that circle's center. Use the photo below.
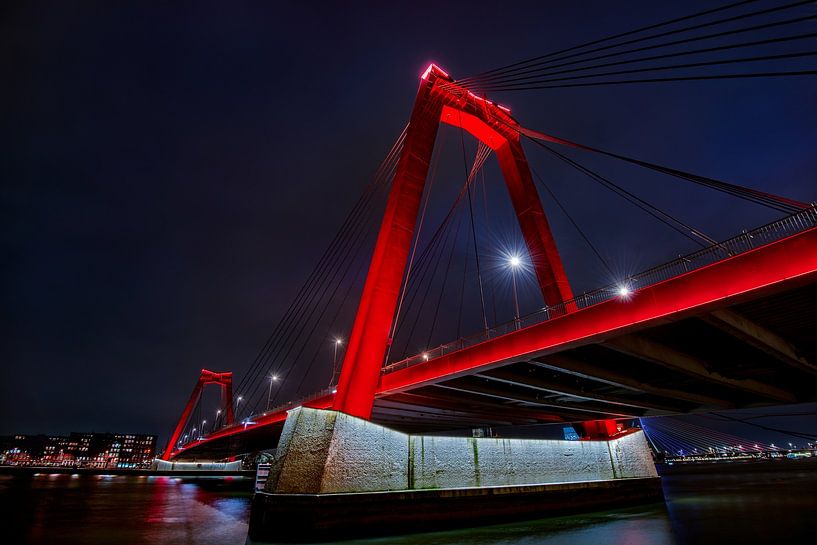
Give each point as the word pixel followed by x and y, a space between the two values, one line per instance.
pixel 734 332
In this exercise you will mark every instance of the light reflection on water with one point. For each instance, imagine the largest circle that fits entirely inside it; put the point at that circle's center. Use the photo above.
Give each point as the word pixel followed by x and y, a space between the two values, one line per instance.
pixel 717 508
pixel 62 510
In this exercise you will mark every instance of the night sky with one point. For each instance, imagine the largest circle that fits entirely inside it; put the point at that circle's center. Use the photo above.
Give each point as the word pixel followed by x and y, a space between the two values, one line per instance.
pixel 172 171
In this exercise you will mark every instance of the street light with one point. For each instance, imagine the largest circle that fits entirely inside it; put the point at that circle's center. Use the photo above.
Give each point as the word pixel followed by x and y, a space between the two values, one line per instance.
pixel 336 345
pixel 272 378
pixel 515 263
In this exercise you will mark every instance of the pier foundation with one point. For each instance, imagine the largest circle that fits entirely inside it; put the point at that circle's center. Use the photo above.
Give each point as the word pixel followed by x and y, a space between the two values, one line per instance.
pixel 337 475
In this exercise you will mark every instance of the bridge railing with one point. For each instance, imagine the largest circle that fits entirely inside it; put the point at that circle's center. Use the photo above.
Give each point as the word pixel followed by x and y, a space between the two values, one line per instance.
pixel 298 402
pixel 790 225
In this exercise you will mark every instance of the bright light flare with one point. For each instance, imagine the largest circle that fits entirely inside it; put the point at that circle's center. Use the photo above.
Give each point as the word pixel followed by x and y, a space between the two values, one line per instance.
pixel 512 258
pixel 624 292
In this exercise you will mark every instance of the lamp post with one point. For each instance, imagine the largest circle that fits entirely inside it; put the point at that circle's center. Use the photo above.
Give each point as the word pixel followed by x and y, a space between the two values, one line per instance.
pixel 515 263
pixel 335 347
pixel 272 378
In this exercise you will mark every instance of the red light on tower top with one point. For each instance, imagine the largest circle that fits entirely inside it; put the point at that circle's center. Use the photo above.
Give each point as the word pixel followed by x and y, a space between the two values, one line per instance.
pixel 436 69
pixel 439 72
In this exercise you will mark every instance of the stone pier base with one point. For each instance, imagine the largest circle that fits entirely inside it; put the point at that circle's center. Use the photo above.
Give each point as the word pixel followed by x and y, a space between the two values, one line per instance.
pixel 336 475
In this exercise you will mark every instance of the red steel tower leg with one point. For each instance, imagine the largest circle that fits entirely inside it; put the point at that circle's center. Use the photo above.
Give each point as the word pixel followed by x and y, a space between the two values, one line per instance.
pixel 225 381
pixel 438 100
pixel 360 371
pixel 544 256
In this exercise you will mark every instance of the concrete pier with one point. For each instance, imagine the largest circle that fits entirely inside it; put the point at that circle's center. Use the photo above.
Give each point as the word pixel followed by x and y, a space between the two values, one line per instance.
pixel 343 476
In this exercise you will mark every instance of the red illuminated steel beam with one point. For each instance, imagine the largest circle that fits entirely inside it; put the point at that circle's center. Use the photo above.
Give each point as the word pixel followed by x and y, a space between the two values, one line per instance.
pixel 784 264
pixel 258 422
pixel 439 100
pixel 225 381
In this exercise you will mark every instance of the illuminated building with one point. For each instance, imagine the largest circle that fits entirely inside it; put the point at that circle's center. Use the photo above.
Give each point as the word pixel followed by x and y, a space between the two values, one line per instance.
pixel 91 450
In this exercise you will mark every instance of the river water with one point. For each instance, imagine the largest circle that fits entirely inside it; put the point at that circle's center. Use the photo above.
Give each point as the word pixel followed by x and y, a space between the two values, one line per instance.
pixel 724 505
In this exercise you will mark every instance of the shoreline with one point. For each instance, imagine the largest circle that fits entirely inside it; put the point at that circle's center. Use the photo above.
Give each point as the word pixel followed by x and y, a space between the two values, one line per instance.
pixel 34 470
pixel 781 464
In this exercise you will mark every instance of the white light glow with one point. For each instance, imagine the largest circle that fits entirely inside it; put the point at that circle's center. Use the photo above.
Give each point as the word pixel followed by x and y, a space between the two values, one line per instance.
pixel 514 261
pixel 624 291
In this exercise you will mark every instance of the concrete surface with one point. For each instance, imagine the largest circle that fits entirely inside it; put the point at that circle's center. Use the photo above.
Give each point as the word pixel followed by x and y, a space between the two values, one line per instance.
pixel 325 452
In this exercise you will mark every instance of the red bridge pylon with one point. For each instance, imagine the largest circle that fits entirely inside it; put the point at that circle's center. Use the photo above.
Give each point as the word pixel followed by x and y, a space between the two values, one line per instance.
pixel 439 100
pixel 225 381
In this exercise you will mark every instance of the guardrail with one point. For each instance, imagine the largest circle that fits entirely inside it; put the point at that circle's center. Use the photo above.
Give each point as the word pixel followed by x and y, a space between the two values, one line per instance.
pixel 748 240
pixel 298 402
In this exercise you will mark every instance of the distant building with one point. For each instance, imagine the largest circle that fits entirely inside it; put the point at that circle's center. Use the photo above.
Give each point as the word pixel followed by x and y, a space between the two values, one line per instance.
pixel 92 450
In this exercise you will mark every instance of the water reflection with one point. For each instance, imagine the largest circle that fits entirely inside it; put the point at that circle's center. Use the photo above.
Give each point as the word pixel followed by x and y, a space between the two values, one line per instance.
pixel 62 510
pixel 751 508
pixel 716 508
pixel 643 526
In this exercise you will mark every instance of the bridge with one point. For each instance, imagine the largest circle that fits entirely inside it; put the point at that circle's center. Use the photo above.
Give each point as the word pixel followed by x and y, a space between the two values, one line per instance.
pixel 729 325
pixel 689 342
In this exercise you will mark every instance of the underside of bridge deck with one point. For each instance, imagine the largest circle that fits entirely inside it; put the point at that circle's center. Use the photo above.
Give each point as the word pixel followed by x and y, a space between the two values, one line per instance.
pixel 755 353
